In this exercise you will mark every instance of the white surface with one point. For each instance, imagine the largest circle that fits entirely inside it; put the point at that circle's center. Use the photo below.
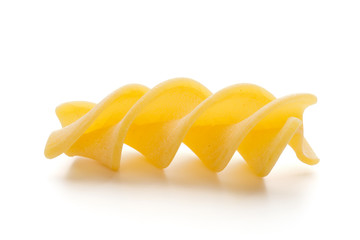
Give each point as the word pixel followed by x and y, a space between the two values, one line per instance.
pixel 53 52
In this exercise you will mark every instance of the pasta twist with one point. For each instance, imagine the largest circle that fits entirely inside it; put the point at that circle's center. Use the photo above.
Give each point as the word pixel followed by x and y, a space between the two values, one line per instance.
pixel 243 117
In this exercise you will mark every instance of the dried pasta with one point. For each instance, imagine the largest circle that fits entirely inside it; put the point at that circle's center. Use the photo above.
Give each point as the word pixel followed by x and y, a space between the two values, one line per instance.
pixel 243 117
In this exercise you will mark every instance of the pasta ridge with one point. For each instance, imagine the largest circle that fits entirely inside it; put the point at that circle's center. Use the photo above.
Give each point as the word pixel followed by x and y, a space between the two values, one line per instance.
pixel 243 117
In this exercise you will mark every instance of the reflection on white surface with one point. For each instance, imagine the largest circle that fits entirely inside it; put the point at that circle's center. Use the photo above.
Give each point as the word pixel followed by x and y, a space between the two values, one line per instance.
pixel 187 174
pixel 187 191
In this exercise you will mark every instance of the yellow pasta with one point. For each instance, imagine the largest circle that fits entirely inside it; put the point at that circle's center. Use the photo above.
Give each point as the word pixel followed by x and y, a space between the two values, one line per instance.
pixel 243 117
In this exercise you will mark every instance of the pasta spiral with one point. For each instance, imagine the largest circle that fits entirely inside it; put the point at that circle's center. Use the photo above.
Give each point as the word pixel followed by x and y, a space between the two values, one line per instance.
pixel 243 117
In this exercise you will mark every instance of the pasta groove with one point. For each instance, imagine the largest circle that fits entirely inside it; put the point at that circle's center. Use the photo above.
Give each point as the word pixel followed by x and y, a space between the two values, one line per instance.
pixel 243 117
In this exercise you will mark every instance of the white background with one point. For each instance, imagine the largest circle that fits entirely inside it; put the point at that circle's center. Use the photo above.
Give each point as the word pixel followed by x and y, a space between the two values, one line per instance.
pixel 57 51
